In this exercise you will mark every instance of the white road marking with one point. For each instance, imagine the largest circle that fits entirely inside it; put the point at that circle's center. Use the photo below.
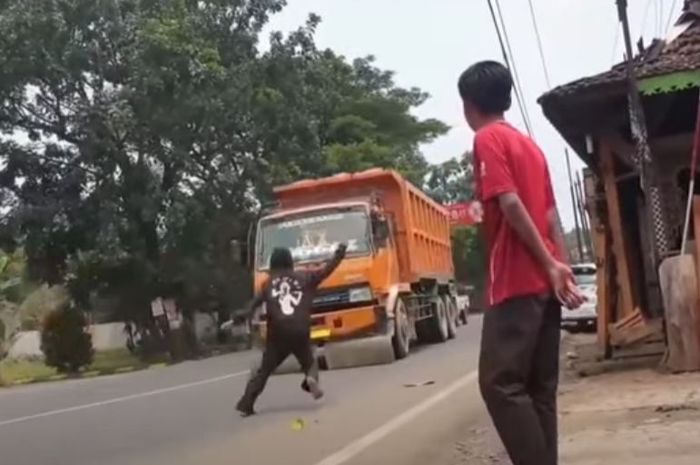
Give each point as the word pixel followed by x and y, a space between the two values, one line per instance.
pixel 356 447
pixel 117 400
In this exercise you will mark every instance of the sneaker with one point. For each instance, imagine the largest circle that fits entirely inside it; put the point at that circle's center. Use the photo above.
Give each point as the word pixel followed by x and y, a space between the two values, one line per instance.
pixel 244 411
pixel 314 388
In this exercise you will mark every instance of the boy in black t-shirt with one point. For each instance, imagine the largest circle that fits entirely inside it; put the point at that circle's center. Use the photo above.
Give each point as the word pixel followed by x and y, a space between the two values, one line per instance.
pixel 288 296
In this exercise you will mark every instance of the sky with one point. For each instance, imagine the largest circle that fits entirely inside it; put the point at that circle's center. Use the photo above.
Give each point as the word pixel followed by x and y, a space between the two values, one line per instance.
pixel 428 43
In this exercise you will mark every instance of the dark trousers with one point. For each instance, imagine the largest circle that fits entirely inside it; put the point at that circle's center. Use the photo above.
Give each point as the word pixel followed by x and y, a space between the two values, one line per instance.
pixel 519 375
pixel 277 350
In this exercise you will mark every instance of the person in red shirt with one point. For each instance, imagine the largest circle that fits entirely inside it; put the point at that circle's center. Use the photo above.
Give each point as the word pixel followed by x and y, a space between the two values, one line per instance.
pixel 528 280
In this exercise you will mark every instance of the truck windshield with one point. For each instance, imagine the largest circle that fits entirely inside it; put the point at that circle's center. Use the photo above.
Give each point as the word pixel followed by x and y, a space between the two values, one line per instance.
pixel 314 236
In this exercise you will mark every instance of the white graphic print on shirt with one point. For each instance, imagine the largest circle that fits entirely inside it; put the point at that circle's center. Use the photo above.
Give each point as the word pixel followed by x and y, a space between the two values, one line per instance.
pixel 288 293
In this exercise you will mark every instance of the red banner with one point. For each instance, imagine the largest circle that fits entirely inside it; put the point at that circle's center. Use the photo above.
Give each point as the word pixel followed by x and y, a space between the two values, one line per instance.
pixel 465 213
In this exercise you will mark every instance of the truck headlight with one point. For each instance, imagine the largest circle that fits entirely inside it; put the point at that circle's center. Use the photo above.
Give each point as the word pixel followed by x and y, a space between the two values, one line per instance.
pixel 360 294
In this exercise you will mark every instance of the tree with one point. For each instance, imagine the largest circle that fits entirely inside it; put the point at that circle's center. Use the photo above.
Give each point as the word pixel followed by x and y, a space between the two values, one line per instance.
pixel 141 137
pixel 13 290
pixel 451 181
pixel 65 341
pixel 469 256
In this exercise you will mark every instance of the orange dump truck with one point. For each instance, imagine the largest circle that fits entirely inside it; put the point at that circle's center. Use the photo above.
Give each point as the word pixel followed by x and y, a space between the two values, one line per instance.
pixel 396 285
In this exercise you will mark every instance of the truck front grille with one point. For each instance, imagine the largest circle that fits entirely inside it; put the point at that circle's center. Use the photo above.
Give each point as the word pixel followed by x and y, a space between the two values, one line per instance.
pixel 329 300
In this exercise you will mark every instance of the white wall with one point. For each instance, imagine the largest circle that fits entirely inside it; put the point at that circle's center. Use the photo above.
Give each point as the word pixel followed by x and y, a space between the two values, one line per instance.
pixel 27 345
pixel 108 336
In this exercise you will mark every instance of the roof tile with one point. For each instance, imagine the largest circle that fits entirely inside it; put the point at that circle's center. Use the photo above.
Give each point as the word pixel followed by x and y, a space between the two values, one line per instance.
pixel 682 54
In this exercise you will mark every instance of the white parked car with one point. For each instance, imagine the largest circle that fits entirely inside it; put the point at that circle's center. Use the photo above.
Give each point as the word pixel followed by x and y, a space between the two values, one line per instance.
pixel 586 316
pixel 462 303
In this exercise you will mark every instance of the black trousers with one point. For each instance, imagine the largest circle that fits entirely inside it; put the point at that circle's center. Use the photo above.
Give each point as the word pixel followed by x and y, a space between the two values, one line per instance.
pixel 276 351
pixel 519 376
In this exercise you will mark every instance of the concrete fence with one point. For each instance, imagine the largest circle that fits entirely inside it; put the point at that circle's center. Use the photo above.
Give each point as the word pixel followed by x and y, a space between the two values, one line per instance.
pixel 106 336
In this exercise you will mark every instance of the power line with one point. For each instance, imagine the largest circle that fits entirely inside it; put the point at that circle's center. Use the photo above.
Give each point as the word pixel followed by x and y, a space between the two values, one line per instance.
pixel 616 42
pixel 539 45
pixel 504 50
pixel 515 68
pixel 645 16
pixel 670 16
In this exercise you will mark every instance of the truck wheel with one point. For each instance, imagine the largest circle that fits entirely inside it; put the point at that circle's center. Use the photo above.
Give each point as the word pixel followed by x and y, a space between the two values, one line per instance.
pixel 452 317
pixel 402 334
pixel 439 321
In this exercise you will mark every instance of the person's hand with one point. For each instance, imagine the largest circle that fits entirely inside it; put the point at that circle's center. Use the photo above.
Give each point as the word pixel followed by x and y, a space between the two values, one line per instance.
pixel 564 286
pixel 576 297
pixel 341 250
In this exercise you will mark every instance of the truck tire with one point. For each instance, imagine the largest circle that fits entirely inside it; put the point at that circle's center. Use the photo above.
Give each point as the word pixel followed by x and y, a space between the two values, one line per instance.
pixel 452 316
pixel 402 333
pixel 439 324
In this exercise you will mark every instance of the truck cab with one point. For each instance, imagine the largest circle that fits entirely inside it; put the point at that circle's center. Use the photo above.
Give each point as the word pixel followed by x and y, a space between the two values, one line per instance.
pixel 349 302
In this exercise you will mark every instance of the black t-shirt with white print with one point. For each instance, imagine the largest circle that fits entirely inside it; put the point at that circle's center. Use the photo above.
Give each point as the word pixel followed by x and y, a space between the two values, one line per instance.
pixel 289 296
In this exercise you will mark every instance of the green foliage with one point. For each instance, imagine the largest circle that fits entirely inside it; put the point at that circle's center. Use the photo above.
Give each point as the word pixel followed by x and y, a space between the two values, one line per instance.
pixel 153 129
pixel 65 342
pixel 451 181
pixel 14 287
pixel 469 256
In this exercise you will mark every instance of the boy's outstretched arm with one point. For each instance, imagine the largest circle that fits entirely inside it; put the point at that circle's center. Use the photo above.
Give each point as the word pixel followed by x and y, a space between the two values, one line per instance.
pixel 317 277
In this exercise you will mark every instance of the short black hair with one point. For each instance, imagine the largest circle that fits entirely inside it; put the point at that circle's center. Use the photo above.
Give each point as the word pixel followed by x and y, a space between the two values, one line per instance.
pixel 281 260
pixel 488 86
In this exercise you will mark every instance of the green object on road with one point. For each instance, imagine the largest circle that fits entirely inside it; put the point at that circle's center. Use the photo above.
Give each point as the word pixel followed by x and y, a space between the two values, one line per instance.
pixel 298 424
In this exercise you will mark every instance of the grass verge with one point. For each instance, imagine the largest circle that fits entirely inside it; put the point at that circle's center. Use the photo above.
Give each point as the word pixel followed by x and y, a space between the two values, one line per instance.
pixel 34 370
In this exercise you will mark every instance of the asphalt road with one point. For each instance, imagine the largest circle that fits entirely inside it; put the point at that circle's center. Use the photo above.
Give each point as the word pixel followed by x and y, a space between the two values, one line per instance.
pixel 184 414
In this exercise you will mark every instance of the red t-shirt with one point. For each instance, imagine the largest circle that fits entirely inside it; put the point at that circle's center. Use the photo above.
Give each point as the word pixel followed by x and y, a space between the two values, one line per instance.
pixel 505 160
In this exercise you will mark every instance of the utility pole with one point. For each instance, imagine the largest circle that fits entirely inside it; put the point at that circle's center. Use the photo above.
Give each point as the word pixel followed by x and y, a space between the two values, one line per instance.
pixel 655 225
pixel 584 217
pixel 574 206
pixel 639 133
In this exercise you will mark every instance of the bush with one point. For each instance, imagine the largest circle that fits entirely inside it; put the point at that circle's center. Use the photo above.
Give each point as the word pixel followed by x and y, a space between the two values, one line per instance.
pixel 65 342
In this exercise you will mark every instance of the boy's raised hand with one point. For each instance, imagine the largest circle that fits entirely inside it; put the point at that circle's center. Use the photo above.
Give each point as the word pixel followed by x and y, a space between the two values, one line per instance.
pixel 342 250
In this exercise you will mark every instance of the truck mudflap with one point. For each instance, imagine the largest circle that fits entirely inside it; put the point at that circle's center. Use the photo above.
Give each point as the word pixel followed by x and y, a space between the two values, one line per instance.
pixel 365 351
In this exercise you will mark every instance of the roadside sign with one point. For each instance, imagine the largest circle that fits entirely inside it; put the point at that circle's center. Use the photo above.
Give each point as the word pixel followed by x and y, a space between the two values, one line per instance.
pixel 157 307
pixel 465 213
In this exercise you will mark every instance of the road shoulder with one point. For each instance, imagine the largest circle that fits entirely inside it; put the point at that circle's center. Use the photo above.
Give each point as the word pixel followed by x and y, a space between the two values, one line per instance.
pixel 637 416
